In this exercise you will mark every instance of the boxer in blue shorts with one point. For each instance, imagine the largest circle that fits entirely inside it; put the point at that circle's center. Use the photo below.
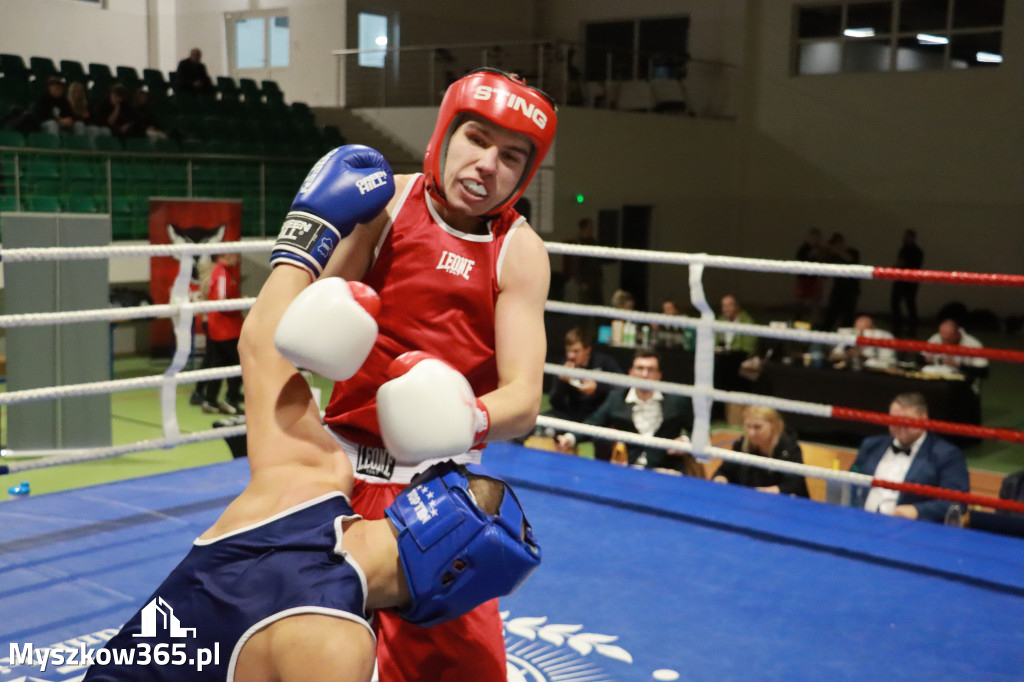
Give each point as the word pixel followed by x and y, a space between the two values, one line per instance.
pixel 282 585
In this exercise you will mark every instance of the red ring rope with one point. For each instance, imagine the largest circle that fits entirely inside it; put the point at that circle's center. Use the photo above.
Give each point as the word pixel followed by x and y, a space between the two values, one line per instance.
pixel 928 424
pixel 955 495
pixel 952 277
pixel 943 349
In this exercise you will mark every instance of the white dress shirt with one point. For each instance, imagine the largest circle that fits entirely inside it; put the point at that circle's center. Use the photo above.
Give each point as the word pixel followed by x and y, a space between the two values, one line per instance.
pixel 892 467
pixel 647 416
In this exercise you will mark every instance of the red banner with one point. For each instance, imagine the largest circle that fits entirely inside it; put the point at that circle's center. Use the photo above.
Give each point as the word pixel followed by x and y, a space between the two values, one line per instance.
pixel 185 221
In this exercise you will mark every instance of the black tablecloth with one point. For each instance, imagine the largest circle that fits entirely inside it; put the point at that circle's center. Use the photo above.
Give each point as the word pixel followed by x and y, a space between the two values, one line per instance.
pixel 948 400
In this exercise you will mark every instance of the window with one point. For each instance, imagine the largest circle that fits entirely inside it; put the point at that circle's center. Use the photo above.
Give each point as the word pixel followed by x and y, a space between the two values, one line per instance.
pixel 898 35
pixel 261 41
pixel 373 36
pixel 636 49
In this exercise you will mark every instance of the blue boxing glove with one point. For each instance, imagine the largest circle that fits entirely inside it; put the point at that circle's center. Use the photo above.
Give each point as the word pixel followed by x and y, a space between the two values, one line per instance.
pixel 350 185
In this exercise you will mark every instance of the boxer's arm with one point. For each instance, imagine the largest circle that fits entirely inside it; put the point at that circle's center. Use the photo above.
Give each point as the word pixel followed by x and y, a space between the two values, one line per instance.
pixel 283 420
pixel 354 255
pixel 520 341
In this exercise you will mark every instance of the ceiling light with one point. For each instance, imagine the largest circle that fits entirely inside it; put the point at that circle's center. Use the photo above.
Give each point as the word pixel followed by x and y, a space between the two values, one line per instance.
pixel 859 33
pixel 989 57
pixel 926 39
pixel 381 41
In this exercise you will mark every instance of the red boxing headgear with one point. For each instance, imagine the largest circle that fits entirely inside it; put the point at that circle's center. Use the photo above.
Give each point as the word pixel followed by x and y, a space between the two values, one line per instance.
pixel 502 100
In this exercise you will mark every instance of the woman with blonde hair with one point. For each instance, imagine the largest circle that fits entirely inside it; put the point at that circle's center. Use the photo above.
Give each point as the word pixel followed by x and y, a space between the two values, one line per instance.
pixel 85 122
pixel 764 434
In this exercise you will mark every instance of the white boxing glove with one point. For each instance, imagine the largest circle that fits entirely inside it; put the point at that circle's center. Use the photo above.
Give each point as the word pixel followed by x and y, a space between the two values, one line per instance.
pixel 428 410
pixel 329 328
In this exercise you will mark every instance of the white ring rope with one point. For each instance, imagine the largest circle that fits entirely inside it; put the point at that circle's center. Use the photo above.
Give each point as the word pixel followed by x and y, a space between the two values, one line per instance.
pixel 773 464
pixel 682 321
pixel 42 254
pixel 627 381
pixel 117 385
pixel 727 262
pixel 122 314
pixel 90 454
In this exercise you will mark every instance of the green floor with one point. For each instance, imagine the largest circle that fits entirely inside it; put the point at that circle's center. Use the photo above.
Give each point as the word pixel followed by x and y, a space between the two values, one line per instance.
pixel 136 417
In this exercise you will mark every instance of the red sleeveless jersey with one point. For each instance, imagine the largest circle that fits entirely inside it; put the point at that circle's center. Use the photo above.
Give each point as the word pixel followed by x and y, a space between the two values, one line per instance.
pixel 438 287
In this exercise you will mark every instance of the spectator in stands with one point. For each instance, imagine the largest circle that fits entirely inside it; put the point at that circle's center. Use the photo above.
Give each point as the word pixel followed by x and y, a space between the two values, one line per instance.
pixel 669 337
pixel 731 341
pixel 577 399
pixel 648 413
pixel 951 333
pixel 623 300
pixel 82 112
pixel 842 299
pixel 587 274
pixel 764 434
pixel 145 123
pixel 191 75
pixel 904 294
pixel 223 331
pixel 52 111
pixel 809 287
pixel 865 356
pixel 909 454
pixel 116 112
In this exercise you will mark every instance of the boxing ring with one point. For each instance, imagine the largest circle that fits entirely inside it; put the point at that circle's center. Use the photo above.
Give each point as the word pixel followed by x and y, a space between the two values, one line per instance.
pixel 645 576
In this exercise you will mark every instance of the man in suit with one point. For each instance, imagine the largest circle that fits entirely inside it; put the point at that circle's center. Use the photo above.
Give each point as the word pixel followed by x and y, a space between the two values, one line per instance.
pixel 647 412
pixel 910 455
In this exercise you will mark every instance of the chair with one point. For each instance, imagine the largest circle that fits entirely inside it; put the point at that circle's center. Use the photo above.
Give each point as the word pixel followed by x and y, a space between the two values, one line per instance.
pixel 73 71
pixel 77 142
pixel 826 458
pixel 11 138
pixel 108 143
pixel 13 65
pixel 42 67
pixel 121 216
pixel 43 204
pixel 101 76
pixel 8 202
pixel 228 89
pixel 41 140
pixel 250 90
pixel 129 76
pixel 82 204
pixel 159 87
pixel 138 144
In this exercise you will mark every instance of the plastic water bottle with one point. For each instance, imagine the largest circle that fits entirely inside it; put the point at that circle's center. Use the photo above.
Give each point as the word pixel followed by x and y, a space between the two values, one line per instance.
pixel 20 491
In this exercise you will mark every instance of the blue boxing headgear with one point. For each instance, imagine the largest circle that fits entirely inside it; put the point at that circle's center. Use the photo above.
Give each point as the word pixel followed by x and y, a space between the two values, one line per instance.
pixel 455 555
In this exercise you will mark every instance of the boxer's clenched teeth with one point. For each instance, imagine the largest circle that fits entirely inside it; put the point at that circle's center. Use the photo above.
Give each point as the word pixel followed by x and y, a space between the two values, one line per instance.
pixel 475 188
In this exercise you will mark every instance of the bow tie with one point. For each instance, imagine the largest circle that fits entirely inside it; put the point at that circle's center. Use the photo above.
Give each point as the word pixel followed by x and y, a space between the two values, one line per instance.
pixel 899 449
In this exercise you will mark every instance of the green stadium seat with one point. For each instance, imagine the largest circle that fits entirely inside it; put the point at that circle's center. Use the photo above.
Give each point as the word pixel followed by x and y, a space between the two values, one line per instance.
pixel 43 204
pixel 129 76
pixel 14 90
pixel 159 86
pixel 82 204
pixel 101 75
pixel 11 138
pixel 250 90
pixel 77 142
pixel 42 67
pixel 41 140
pixel 108 143
pixel 13 65
pixel 73 71
pixel 138 144
pixel 8 202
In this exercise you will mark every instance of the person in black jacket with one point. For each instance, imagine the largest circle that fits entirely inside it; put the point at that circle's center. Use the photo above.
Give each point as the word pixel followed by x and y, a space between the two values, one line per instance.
pixel 649 413
pixel 191 75
pixel 764 434
pixel 577 399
